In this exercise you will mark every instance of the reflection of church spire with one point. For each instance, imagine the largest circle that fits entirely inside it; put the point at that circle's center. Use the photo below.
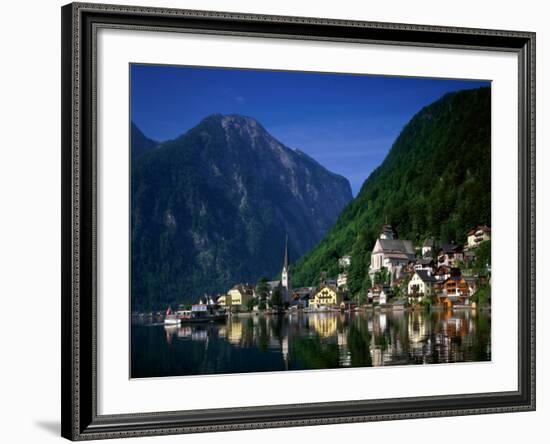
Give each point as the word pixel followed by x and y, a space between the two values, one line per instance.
pixel 284 351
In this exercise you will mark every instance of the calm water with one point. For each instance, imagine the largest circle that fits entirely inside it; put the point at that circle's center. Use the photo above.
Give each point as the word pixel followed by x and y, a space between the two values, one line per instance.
pixel 256 343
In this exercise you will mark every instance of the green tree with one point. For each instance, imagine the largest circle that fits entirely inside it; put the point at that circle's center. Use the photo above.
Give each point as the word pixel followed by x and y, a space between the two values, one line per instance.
pixel 482 296
pixel 382 276
pixel 251 303
pixel 262 290
pixel 367 283
pixel 277 297
pixel 483 257
pixel 359 267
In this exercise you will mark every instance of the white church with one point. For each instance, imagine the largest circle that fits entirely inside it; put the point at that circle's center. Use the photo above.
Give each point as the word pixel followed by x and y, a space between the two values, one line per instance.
pixel 390 253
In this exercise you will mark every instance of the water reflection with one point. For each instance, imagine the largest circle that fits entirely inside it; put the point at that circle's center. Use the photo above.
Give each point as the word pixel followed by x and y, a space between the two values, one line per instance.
pixel 252 343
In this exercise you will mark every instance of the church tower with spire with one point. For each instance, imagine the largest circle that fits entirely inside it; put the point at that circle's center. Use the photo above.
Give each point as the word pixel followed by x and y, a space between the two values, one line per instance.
pixel 285 275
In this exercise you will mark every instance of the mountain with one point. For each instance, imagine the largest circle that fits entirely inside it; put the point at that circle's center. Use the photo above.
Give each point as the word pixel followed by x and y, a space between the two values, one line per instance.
pixel 434 182
pixel 140 143
pixel 212 207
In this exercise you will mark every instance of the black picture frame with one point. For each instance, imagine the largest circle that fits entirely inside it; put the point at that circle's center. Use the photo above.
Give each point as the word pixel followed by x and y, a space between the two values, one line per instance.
pixel 79 316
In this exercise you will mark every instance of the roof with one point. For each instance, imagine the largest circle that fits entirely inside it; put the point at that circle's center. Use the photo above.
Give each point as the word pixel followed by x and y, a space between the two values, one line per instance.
pixel 484 228
pixel 397 246
pixel 455 278
pixel 397 256
pixel 243 288
pixel 425 276
pixel 330 287
pixel 303 290
pixel 273 284
pixel 450 248
pixel 425 261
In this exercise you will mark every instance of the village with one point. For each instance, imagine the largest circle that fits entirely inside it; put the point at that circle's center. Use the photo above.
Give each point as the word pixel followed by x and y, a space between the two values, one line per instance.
pixel 402 276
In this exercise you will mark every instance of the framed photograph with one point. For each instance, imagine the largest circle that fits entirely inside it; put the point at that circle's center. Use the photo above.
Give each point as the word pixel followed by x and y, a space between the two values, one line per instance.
pixel 280 221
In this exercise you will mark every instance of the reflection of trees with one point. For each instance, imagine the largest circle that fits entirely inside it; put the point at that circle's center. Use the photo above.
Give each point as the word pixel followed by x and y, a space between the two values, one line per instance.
pixel 481 346
pixel 311 352
pixel 359 345
pixel 262 338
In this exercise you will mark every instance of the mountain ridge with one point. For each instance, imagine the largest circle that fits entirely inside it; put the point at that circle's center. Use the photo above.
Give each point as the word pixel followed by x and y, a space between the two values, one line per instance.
pixel 139 142
pixel 211 208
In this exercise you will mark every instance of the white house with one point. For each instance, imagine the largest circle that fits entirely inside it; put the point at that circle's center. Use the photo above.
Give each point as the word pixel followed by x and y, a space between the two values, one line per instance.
pixel 477 235
pixel 342 281
pixel 427 247
pixel 421 285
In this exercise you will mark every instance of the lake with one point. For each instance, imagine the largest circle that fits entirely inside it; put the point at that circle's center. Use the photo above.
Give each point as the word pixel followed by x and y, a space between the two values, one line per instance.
pixel 300 341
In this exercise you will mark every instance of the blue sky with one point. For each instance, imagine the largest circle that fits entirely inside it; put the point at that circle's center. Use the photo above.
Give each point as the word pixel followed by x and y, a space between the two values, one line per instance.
pixel 346 122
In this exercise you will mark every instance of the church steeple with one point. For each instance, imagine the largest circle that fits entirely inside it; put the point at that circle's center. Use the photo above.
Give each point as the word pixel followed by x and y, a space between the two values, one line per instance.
pixel 387 231
pixel 285 274
pixel 285 260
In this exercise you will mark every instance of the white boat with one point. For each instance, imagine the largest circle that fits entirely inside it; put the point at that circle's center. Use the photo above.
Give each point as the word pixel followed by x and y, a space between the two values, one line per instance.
pixel 172 319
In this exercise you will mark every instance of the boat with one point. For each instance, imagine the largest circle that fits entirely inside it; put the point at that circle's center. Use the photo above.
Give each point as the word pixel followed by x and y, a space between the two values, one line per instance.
pixel 199 313
pixel 202 313
pixel 171 318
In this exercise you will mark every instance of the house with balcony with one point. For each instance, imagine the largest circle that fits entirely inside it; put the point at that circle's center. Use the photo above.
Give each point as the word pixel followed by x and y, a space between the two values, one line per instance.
pixel 454 291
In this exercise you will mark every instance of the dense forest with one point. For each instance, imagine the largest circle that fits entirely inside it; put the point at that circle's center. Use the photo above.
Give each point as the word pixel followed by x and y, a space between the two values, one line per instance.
pixel 435 182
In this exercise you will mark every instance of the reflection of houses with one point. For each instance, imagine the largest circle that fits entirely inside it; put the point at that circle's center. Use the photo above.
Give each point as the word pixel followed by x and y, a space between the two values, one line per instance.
pixel 324 324
pixel 477 235
pixel 421 285
pixel 390 253
pixel 326 296
pixel 417 328
pixel 237 296
pixel 449 255
pixel 235 331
